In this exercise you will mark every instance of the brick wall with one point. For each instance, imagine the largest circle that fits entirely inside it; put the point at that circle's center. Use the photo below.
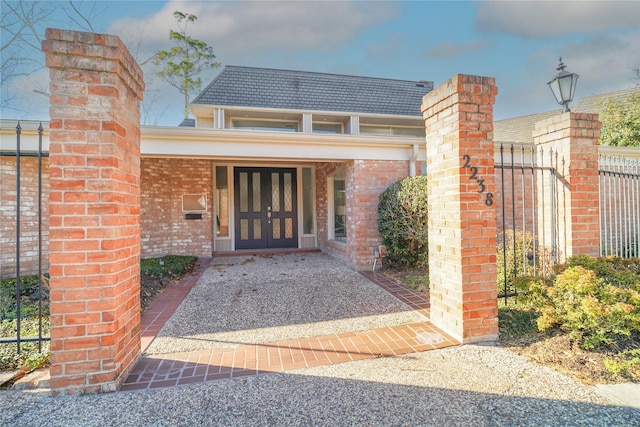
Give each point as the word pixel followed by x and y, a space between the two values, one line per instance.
pixel 364 181
pixel 370 178
pixel 28 216
pixel 574 136
pixel 164 227
pixel 462 221
pixel 94 203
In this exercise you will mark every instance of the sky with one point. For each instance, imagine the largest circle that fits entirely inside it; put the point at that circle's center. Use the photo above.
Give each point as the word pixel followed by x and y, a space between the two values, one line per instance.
pixel 517 42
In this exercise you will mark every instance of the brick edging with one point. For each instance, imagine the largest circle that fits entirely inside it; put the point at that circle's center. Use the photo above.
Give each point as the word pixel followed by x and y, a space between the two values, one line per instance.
pixel 165 304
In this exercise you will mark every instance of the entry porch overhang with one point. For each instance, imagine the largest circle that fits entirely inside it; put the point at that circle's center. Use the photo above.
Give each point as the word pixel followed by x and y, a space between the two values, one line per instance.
pixel 243 144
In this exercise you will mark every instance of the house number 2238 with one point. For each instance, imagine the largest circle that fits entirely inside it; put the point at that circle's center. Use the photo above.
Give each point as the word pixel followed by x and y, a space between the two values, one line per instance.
pixel 474 175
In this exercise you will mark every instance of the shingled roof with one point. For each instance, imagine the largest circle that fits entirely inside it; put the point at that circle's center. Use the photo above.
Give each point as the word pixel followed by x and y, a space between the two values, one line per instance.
pixel 520 129
pixel 310 91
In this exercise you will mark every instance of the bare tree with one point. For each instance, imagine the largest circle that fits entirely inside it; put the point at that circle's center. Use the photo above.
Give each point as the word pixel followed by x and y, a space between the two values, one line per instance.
pixel 20 41
pixel 22 27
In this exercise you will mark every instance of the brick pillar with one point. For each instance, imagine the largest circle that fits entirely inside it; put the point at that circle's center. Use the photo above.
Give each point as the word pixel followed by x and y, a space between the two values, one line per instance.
pixel 94 167
pixel 462 219
pixel 574 137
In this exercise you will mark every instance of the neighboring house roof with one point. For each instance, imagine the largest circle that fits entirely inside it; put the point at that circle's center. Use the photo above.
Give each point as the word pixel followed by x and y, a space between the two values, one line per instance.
pixel 594 103
pixel 310 91
pixel 520 129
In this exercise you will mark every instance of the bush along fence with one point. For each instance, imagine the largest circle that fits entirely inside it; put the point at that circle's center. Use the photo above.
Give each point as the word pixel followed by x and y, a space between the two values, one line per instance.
pixel 24 298
pixel 562 197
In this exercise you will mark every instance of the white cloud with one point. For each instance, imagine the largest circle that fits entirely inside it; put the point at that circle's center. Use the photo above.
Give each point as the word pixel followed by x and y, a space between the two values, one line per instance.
pixel 247 33
pixel 240 31
pixel 547 19
pixel 604 63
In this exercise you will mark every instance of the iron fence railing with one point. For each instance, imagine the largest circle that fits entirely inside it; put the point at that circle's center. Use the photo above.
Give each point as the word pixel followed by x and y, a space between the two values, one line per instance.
pixel 531 194
pixel 41 292
pixel 619 206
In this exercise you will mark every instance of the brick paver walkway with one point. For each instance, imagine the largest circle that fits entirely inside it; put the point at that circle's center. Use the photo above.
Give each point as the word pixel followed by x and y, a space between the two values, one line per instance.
pixel 167 370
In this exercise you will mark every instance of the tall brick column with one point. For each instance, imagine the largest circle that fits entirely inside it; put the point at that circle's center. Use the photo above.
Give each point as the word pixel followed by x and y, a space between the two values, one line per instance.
pixel 94 167
pixel 462 219
pixel 574 137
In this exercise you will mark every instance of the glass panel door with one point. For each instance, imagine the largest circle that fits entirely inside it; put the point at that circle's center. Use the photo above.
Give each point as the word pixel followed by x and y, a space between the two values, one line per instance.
pixel 266 208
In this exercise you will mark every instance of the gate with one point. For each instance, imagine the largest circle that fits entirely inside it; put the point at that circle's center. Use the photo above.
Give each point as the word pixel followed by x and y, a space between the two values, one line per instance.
pixel 619 206
pixel 531 196
pixel 22 235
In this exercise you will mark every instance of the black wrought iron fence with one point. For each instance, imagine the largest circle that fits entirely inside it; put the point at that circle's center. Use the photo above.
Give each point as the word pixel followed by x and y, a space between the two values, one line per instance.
pixel 531 192
pixel 29 293
pixel 619 206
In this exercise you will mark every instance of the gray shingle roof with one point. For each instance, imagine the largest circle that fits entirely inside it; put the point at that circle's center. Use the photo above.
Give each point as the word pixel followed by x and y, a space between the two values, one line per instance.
pixel 594 103
pixel 520 129
pixel 187 123
pixel 310 91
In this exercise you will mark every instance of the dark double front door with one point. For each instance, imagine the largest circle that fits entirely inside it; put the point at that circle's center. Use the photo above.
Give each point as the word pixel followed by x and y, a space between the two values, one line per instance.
pixel 265 208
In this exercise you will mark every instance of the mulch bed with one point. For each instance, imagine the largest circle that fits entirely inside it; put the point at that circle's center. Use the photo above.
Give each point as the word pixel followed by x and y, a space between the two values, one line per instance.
pixel 563 354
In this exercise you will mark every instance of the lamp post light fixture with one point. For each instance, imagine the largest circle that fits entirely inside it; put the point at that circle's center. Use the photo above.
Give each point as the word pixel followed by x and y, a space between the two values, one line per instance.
pixel 563 86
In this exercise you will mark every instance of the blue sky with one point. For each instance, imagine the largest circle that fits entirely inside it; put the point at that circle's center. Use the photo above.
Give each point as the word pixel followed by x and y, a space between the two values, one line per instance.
pixel 517 42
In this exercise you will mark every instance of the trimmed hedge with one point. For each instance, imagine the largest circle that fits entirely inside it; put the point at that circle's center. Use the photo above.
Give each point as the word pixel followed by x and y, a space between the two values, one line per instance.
pixel 402 221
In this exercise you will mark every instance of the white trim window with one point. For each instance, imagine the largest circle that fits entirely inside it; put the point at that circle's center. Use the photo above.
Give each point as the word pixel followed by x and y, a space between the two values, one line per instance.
pixel 337 207
pixel 266 125
pixel 383 130
pixel 328 128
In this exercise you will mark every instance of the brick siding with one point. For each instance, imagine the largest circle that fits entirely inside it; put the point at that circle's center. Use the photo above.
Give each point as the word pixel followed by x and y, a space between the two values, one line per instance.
pixel 164 227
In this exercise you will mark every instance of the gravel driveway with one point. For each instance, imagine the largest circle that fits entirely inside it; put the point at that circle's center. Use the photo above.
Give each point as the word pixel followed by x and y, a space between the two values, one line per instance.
pixel 248 300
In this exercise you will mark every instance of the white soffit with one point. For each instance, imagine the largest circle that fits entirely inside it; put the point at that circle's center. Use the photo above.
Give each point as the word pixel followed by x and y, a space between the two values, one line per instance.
pixel 195 142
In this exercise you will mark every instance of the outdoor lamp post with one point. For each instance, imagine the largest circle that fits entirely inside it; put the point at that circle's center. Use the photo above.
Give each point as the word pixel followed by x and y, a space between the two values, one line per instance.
pixel 563 86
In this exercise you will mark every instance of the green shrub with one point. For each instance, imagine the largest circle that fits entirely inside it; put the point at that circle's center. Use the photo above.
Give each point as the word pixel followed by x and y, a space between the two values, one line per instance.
pixel 167 266
pixel 522 257
pixel 625 363
pixel 591 310
pixel 619 272
pixel 402 221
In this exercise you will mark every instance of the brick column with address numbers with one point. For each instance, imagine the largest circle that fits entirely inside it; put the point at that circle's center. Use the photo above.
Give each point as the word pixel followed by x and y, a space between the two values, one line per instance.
pixel 462 220
pixel 94 166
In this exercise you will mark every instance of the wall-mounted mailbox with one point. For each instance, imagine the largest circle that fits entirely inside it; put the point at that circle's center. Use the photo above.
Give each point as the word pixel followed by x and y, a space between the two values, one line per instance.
pixel 194 203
